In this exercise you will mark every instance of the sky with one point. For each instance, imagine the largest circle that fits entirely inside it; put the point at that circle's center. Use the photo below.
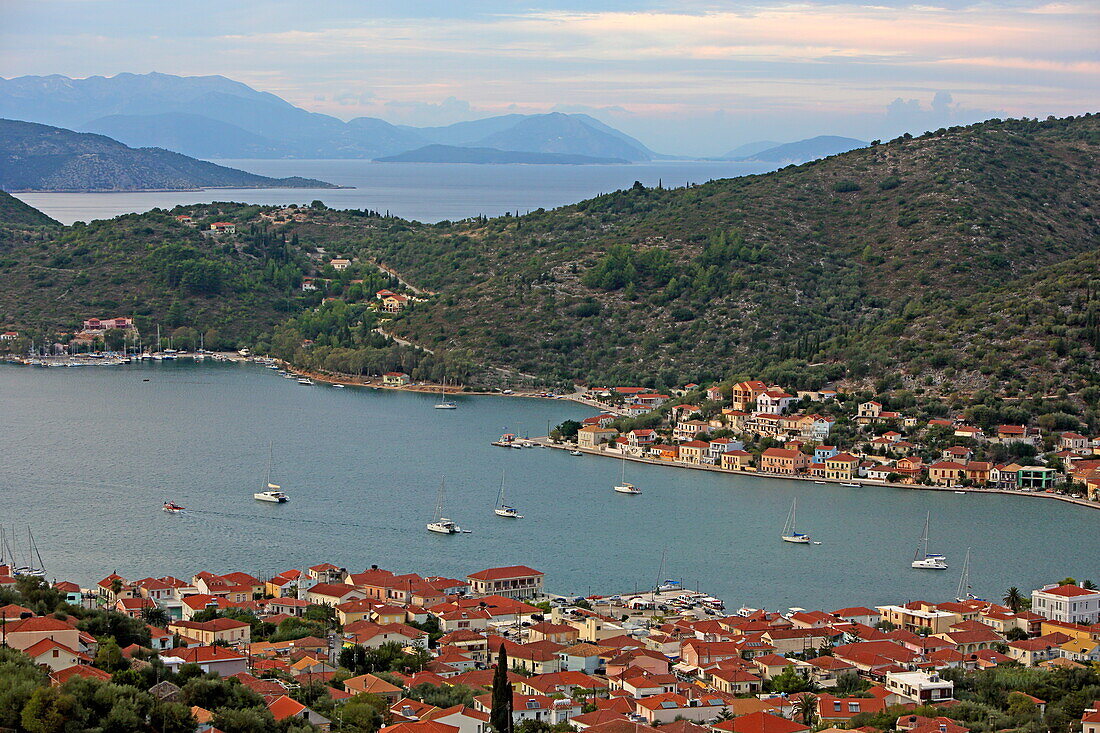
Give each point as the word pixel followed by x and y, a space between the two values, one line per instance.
pixel 693 78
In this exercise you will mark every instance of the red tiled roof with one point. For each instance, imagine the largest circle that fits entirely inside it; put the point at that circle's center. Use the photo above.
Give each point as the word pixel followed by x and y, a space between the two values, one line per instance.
pixel 1069 591
pixel 761 722
pixel 512 571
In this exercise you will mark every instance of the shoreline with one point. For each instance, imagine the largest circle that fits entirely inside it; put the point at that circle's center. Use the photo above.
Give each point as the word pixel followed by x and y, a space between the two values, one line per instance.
pixel 545 442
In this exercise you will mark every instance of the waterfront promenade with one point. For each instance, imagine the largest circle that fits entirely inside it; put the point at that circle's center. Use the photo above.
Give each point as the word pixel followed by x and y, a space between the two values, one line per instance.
pixel 546 442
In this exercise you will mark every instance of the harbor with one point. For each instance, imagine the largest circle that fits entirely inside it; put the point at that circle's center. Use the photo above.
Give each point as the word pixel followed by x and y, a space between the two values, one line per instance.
pixel 363 468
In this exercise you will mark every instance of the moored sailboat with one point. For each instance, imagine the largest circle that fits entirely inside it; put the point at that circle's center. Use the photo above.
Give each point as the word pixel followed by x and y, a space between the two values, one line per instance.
pixel 442 524
pixel 503 508
pixel 273 493
pixel 789 533
pixel 923 559
pixel 444 403
pixel 624 486
pixel 964 592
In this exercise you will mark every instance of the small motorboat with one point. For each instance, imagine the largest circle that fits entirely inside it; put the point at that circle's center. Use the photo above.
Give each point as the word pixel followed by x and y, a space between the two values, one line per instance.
pixel 821 482
pixel 849 484
pixel 575 453
pixel 338 386
pixel 172 507
pixel 306 381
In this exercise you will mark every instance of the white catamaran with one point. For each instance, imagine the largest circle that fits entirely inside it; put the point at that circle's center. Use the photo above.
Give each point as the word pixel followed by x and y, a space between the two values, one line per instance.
pixel 273 493
pixel 442 524
pixel 503 508
pixel 789 533
pixel 445 404
pixel 923 559
pixel 624 486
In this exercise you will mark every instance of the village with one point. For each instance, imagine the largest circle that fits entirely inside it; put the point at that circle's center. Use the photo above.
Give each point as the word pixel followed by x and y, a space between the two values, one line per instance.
pixel 758 429
pixel 634 662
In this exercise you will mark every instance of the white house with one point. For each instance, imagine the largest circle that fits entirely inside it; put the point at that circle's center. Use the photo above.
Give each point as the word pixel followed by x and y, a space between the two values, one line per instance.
pixel 920 687
pixel 1068 603
pixel 775 401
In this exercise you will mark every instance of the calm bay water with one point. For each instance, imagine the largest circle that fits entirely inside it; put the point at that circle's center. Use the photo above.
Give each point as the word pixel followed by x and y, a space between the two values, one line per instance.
pixel 90 454
pixel 420 191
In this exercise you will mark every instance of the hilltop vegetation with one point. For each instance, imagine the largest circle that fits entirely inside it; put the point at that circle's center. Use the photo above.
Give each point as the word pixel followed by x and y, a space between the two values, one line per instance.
pixel 151 267
pixel 961 261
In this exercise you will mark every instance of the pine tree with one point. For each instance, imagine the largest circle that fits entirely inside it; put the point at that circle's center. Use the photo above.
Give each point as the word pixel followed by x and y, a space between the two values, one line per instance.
pixel 500 717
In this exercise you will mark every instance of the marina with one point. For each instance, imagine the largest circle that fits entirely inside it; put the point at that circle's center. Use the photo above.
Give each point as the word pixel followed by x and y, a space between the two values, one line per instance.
pixel 364 468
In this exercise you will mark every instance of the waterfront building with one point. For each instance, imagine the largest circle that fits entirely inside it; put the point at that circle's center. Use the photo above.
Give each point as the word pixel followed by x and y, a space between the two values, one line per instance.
pixel 1070 603
pixel 515 581
pixel 592 436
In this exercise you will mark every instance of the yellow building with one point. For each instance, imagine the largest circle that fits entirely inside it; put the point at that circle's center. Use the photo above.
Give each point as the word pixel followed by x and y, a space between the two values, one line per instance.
pixel 591 436
pixel 842 467
pixel 737 460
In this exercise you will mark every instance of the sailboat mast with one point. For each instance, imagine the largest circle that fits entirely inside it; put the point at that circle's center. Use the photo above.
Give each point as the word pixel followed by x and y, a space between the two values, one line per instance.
pixel 439 504
pixel 963 590
pixel 41 565
pixel 922 544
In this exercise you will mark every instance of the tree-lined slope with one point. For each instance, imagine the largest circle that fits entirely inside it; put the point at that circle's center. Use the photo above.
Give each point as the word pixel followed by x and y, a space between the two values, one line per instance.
pixel 739 274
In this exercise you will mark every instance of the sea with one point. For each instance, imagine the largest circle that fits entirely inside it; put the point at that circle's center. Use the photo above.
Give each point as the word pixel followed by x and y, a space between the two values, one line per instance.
pixel 427 192
pixel 90 455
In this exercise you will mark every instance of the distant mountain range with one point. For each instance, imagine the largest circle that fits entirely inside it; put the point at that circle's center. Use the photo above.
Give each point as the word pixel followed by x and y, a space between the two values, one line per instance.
pixel 460 154
pixel 37 157
pixel 215 117
pixel 743 151
pixel 800 151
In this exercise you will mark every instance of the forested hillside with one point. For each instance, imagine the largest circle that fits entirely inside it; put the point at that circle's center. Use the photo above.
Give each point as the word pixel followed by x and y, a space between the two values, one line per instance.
pixel 962 260
pixel 755 274
pixel 151 267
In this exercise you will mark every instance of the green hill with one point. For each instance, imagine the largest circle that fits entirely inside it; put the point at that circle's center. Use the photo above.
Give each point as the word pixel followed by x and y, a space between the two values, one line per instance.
pixel 758 272
pixel 1038 335
pixel 151 267
pixel 42 158
pixel 15 214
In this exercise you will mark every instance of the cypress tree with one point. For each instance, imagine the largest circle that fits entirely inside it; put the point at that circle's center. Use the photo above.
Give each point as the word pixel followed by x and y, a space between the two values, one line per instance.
pixel 500 717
